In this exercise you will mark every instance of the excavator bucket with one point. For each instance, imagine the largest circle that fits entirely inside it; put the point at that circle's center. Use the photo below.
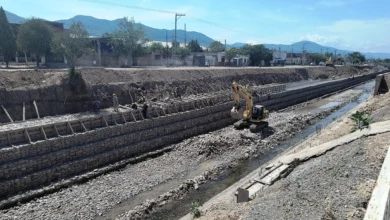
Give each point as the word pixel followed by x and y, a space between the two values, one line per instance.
pixel 236 114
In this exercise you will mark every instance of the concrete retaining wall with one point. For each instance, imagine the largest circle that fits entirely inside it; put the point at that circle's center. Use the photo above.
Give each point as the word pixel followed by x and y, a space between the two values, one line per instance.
pixel 382 83
pixel 29 166
pixel 379 205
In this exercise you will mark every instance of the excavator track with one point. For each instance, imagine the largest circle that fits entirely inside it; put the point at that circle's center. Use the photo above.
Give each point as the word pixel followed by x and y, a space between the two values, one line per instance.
pixel 241 124
pixel 254 128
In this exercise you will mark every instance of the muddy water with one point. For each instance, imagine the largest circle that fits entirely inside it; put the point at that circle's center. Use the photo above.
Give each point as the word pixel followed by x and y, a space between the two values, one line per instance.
pixel 177 209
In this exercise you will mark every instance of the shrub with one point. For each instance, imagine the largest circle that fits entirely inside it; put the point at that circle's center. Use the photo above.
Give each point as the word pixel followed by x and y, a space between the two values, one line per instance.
pixel 76 81
pixel 195 209
pixel 361 120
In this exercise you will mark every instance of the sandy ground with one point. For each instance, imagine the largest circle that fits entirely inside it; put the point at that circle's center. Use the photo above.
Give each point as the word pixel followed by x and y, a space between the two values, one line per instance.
pixel 336 185
pixel 220 149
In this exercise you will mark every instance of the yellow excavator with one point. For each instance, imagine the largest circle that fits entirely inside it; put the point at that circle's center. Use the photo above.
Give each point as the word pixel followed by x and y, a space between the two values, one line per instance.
pixel 253 116
pixel 329 62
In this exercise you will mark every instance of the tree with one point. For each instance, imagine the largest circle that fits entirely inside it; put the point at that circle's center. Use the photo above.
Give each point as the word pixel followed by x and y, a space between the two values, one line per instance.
pixel 7 39
pixel 35 36
pixel 129 39
pixel 317 57
pixel 257 53
pixel 193 46
pixel 387 60
pixel 328 54
pixel 231 53
pixel 175 44
pixel 357 57
pixel 73 44
pixel 181 52
pixel 216 46
pixel 156 47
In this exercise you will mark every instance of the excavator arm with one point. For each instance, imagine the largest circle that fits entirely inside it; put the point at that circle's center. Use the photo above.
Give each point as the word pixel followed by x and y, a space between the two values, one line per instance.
pixel 240 91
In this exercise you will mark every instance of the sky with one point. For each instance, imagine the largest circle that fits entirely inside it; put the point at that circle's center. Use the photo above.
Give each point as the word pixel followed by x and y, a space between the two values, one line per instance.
pixel 362 25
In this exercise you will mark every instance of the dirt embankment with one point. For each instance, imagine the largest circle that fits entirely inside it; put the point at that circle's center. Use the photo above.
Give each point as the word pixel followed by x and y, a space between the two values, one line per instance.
pixel 152 77
pixel 49 88
pixel 337 185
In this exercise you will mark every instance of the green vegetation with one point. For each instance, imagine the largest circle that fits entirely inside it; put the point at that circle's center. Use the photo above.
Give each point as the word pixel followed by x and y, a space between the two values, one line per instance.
pixel 156 47
pixel 35 36
pixel 175 43
pixel 128 40
pixel 357 57
pixel 72 45
pixel 216 46
pixel 195 212
pixel 256 53
pixel 193 46
pixel 232 52
pixel 317 57
pixel 361 120
pixel 76 81
pixel 181 52
pixel 7 39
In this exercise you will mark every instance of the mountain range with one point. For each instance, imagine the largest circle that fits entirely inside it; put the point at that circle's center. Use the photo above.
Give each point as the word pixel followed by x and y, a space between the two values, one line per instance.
pixel 97 27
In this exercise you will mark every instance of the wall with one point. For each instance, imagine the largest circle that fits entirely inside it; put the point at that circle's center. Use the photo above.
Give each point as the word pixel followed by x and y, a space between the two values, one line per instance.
pixel 379 205
pixel 382 83
pixel 100 141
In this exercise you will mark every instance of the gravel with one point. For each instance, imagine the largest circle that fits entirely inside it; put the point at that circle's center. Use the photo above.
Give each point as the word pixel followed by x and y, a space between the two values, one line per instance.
pixel 95 197
pixel 225 146
pixel 338 183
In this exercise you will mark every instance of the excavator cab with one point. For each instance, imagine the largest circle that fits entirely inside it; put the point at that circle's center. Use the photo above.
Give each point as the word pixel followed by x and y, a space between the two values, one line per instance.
pixel 258 111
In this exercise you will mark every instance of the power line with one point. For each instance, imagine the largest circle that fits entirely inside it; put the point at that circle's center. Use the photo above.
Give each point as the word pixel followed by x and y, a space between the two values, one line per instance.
pixel 128 6
pixel 168 12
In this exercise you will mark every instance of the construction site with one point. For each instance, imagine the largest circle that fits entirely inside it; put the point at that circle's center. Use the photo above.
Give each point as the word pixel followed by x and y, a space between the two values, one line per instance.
pixel 184 155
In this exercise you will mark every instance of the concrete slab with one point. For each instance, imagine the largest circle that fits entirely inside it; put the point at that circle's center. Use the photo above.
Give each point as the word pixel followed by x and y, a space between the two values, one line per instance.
pixel 376 128
pixel 379 205
pixel 254 189
pixel 274 175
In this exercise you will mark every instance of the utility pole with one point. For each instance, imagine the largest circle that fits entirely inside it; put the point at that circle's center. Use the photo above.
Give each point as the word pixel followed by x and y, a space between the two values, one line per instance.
pixel 335 52
pixel 292 51
pixel 225 44
pixel 303 50
pixel 166 38
pixel 280 54
pixel 185 35
pixel 327 54
pixel 177 16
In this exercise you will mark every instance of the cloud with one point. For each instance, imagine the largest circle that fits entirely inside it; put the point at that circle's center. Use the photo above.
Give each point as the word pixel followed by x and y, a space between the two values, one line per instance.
pixel 365 35
pixel 333 41
pixel 251 42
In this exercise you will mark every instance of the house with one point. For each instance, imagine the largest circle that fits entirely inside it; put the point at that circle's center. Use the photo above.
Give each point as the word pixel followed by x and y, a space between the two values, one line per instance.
pixel 297 58
pixel 239 60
